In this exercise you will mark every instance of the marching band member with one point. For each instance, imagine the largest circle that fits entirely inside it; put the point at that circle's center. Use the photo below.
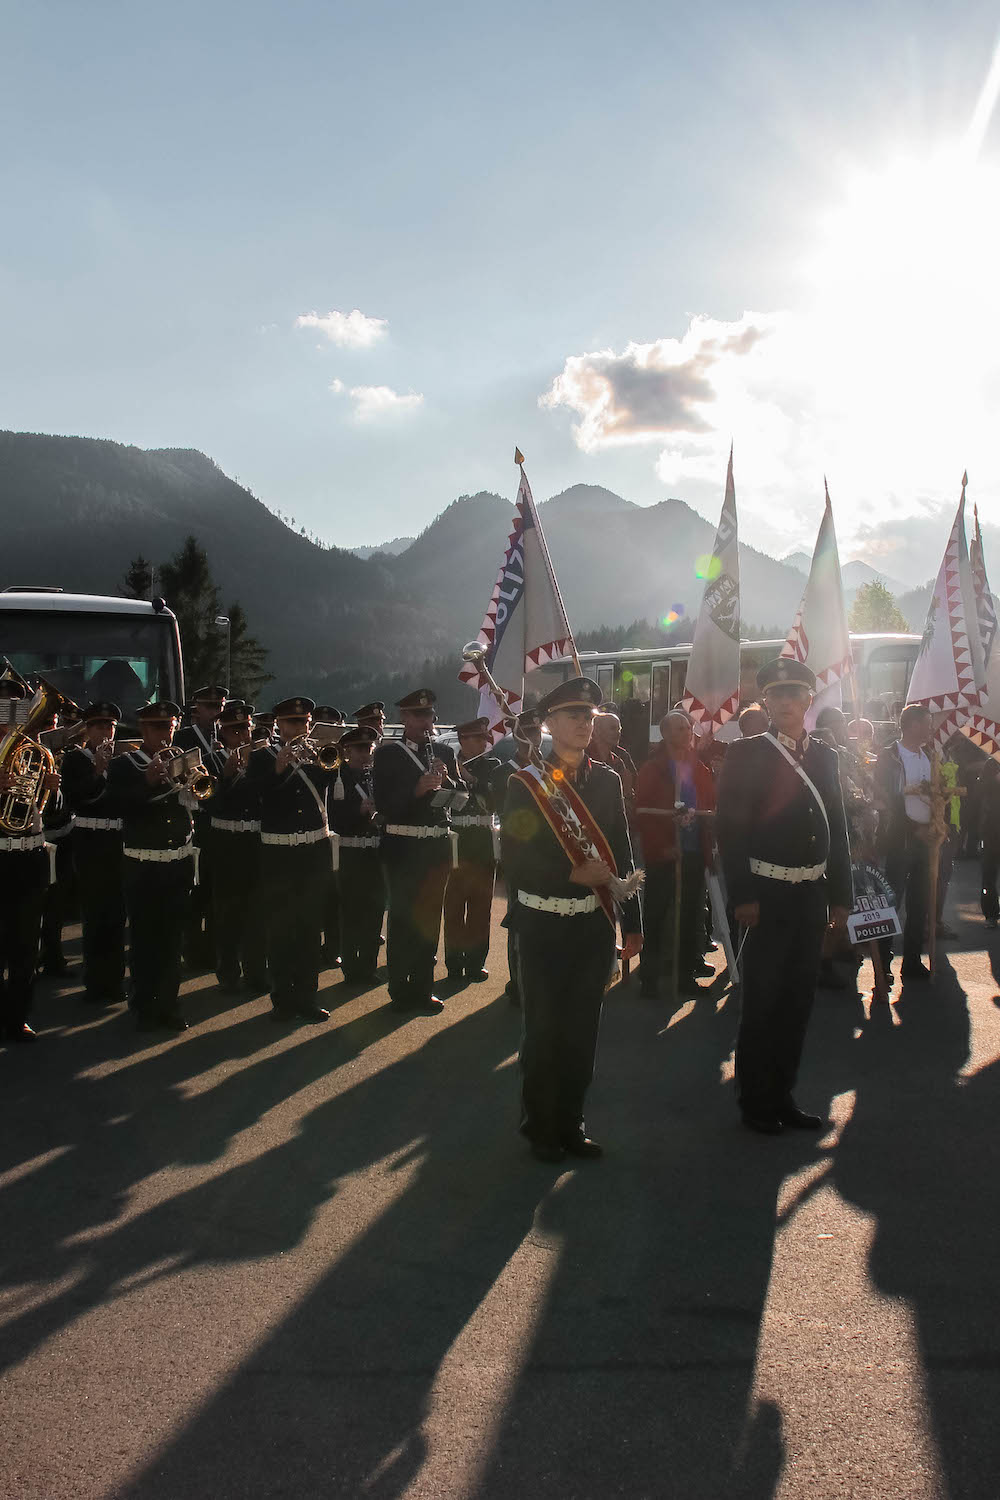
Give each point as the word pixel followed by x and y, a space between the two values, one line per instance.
pixel 529 724
pixel 295 860
pixel 201 734
pixel 351 805
pixel 24 880
pixel 325 713
pixel 565 917
pixel 60 899
pixel 371 716
pixel 97 855
pixel 238 918
pixel 468 901
pixel 158 860
pixel 677 851
pixel 409 774
pixel 783 840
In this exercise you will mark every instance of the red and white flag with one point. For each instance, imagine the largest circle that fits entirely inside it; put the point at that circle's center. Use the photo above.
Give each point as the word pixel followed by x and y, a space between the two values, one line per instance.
pixel 950 671
pixel 819 635
pixel 712 686
pixel 981 724
pixel 525 625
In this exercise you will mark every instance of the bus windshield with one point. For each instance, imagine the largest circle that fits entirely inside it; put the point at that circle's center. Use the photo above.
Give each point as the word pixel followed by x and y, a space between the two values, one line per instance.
pixel 121 658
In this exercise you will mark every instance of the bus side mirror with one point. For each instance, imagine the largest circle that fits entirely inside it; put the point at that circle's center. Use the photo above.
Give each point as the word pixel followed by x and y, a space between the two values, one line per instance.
pixel 159 605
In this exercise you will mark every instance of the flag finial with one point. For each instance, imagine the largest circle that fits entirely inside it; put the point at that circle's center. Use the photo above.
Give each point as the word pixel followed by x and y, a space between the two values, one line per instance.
pixel 518 456
pixel 965 480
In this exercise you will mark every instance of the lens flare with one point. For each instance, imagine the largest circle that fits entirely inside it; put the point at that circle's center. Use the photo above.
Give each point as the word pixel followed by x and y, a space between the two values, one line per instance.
pixel 708 567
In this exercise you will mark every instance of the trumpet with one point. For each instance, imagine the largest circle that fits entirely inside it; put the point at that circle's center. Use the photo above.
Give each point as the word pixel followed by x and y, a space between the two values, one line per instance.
pixel 185 771
pixel 307 750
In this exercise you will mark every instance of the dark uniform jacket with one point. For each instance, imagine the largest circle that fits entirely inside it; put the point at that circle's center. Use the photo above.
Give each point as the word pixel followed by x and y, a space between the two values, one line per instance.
pixel 295 801
pixel 395 778
pixel 347 816
pixel 532 857
pixel 154 816
pixel 476 843
pixel 193 738
pixel 84 788
pixel 766 812
pixel 236 798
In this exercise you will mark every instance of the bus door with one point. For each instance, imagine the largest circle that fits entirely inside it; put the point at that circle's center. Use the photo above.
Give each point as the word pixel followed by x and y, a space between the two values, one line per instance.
pixel 606 680
pixel 634 706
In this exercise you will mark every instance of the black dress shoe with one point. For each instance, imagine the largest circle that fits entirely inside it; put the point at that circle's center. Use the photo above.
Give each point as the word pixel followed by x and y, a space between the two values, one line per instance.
pixel 702 971
pixel 547 1151
pixel 310 1012
pixel 19 1036
pixel 172 1020
pixel 583 1146
pixel 914 971
pixel 478 976
pixel 429 1005
pixel 763 1126
pixel 794 1118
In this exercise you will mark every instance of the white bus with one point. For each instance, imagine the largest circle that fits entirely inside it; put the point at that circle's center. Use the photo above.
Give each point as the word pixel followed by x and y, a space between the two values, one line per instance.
pixel 650 680
pixel 92 647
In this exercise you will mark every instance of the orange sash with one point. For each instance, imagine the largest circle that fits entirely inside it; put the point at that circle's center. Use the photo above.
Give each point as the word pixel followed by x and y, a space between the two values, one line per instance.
pixel 581 819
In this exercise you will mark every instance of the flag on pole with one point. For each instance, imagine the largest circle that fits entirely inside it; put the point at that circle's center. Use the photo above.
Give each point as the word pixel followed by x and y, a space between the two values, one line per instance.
pixel 819 635
pixel 525 625
pixel 950 669
pixel 712 686
pixel 981 724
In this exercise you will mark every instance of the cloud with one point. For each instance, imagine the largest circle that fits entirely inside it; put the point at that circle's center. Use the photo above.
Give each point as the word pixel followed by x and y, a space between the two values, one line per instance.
pixel 353 330
pixel 373 401
pixel 882 372
pixel 651 390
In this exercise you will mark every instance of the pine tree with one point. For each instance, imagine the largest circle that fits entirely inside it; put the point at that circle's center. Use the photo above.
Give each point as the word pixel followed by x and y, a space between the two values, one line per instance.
pixel 138 581
pixel 191 593
pixel 247 669
pixel 875 609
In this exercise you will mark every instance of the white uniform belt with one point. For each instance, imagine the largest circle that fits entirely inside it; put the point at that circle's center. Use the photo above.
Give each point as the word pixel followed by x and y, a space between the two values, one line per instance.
pixel 160 856
pixel 16 845
pixel 359 843
pixel 468 820
pixel 237 825
pixel 107 825
pixel 415 831
pixel 311 836
pixel 562 906
pixel 792 874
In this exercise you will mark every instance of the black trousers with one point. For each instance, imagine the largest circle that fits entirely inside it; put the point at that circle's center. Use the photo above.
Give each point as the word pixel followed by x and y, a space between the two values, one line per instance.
pixel 563 967
pixel 989 900
pixel 158 898
pixel 332 921
pixel 907 870
pixel 468 907
pixel 658 918
pixel 362 908
pixel 416 875
pixel 99 865
pixel 24 882
pixel 780 965
pixel 294 882
pixel 60 902
pixel 238 924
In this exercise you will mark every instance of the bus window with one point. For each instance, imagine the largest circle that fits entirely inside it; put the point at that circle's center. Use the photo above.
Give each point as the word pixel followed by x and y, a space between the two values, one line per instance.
pixel 678 679
pixel 606 682
pixel 887 673
pixel 126 659
pixel 635 680
pixel 660 701
pixel 543 679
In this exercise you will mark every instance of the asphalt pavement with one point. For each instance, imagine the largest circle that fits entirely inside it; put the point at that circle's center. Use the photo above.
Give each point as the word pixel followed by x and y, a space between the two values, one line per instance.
pixel 262 1260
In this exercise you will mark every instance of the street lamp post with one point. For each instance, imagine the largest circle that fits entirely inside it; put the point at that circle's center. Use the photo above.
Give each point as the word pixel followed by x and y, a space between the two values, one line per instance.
pixel 224 620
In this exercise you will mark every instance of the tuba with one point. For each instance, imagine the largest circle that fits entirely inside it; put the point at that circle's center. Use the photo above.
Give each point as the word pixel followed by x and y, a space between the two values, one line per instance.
pixel 24 758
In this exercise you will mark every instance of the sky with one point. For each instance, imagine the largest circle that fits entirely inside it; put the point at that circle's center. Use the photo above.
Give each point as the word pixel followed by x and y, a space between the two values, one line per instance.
pixel 357 252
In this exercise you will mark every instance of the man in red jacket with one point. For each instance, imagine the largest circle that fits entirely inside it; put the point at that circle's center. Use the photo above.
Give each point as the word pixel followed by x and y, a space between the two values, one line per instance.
pixel 673 774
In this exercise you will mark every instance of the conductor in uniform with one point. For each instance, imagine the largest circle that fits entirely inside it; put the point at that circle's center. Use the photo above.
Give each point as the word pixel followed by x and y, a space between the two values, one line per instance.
pixel 566 919
pixel 783 840
pixel 351 807
pixel 410 774
pixel 468 901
